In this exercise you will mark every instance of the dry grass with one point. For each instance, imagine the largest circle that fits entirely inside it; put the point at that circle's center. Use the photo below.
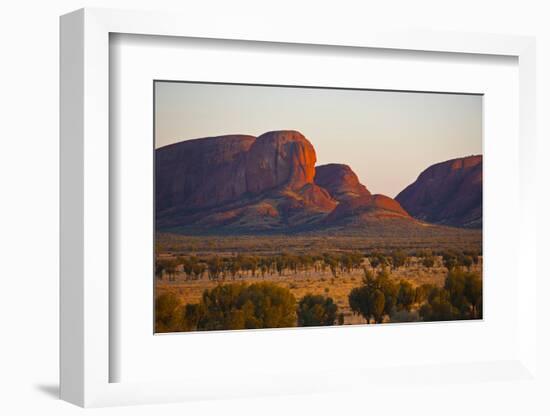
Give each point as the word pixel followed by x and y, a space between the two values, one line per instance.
pixel 436 239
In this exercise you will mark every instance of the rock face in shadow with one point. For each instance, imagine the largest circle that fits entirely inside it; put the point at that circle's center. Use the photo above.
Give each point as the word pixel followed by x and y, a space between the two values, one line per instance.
pixel 194 173
pixel 448 193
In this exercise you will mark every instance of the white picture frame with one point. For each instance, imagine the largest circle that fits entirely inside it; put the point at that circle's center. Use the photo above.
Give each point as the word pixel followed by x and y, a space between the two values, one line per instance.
pixel 85 212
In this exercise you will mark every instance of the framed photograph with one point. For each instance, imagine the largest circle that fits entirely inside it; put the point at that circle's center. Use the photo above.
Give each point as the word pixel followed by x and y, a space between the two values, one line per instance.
pixel 245 215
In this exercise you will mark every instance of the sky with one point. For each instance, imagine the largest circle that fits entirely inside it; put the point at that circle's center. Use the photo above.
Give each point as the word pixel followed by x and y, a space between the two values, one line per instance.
pixel 387 137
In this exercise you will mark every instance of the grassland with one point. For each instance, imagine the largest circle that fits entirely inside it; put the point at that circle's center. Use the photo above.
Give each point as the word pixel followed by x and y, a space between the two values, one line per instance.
pixel 436 239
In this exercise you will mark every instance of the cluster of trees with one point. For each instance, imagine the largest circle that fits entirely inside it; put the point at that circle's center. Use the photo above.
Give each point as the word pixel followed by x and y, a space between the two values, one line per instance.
pixel 460 298
pixel 233 267
pixel 230 306
pixel 219 268
pixel 167 267
pixel 380 297
pixel 453 259
pixel 394 259
pixel 267 305
pixel 242 306
pixel 317 310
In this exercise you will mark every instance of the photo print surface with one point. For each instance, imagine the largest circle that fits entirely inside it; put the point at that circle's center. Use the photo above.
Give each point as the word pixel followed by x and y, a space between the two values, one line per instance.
pixel 283 206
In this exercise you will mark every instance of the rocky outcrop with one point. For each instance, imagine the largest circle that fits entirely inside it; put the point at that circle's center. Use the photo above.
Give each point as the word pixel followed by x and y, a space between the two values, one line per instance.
pixel 366 209
pixel 449 193
pixel 202 172
pixel 356 203
pixel 280 158
pixel 240 183
pixel 340 181
pixel 208 172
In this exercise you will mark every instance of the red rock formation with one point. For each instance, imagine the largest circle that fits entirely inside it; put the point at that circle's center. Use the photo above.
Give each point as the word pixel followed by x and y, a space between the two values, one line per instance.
pixel 202 172
pixel 447 193
pixel 385 203
pixel 280 158
pixel 355 200
pixel 239 180
pixel 207 172
pixel 340 181
pixel 366 208
pixel 253 184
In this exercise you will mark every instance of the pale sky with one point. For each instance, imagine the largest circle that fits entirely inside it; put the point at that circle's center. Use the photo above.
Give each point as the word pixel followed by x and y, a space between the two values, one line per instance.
pixel 387 138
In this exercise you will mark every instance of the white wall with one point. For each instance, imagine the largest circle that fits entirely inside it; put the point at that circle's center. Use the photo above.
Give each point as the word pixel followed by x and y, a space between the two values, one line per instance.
pixel 29 207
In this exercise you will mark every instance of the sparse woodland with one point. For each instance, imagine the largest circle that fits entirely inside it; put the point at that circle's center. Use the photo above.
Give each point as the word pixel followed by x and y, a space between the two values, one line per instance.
pixel 259 291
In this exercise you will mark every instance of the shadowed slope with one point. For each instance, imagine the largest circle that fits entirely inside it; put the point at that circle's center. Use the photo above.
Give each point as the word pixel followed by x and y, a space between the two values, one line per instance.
pixel 447 193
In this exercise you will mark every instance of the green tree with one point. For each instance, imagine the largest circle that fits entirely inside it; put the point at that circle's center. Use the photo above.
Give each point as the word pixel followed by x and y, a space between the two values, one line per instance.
pixel 459 298
pixel 166 312
pixel 388 287
pixel 473 294
pixel 450 260
pixel 398 259
pixel 467 261
pixel 193 315
pixel 438 307
pixel 378 259
pixel 428 261
pixel 159 268
pixel 316 310
pixel 332 263
pixel 454 284
pixel 377 302
pixel 464 292
pixel 359 302
pixel 242 306
pixel 171 268
pixel 405 295
pixel 215 267
pixel 422 292
pixel 376 298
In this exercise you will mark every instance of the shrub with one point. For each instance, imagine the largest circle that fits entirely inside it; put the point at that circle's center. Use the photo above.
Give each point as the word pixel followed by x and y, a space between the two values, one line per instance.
pixel 405 295
pixel 376 298
pixel 403 315
pixel 192 316
pixel 450 260
pixel 316 310
pixel 460 298
pixel 474 294
pixel 159 269
pixel 241 306
pixel 428 261
pixel 439 307
pixel 166 316
pixel 422 292
pixel 467 261
pixel 377 302
pixel 378 259
pixel 398 259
